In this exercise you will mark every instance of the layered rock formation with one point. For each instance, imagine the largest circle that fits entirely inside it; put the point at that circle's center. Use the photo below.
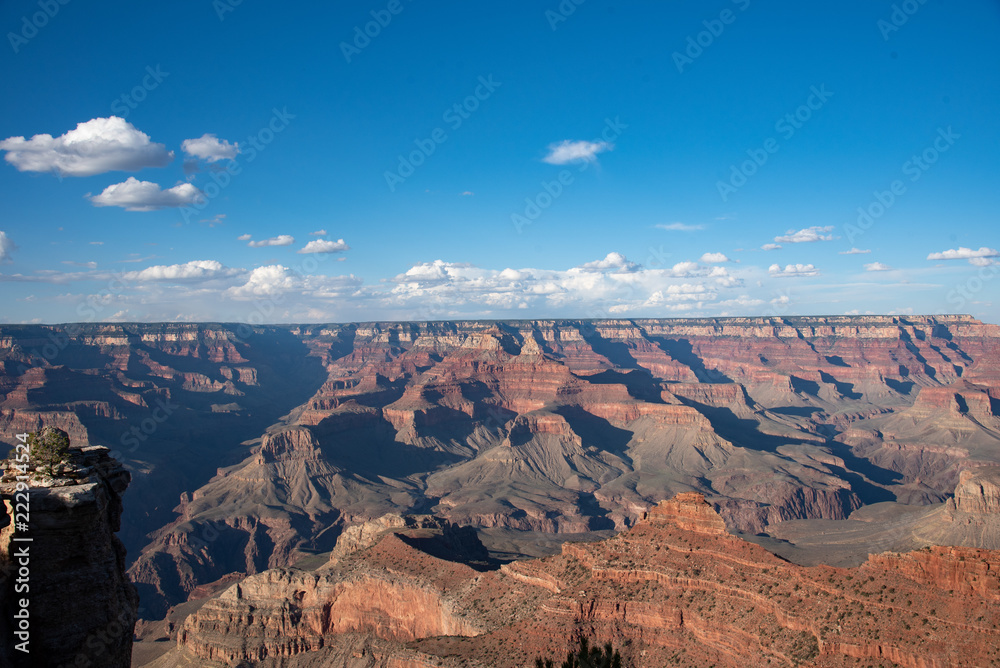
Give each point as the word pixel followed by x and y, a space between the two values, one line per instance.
pixel 675 589
pixel 81 604
pixel 284 436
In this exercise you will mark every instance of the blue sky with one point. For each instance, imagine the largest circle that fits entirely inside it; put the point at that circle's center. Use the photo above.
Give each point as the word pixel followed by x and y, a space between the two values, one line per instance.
pixel 248 162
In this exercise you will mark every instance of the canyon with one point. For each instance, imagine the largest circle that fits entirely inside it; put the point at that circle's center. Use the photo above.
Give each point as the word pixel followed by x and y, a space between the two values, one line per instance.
pixel 674 589
pixel 252 449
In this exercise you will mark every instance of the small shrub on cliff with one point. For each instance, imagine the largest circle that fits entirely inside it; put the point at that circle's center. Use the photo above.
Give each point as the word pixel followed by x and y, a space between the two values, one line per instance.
pixel 805 647
pixel 586 657
pixel 48 447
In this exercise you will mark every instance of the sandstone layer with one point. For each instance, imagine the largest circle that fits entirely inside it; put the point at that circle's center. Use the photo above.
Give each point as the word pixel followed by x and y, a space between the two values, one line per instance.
pixel 675 589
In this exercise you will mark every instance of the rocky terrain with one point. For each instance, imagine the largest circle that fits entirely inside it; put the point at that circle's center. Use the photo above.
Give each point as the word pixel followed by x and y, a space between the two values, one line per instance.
pixel 82 607
pixel 254 448
pixel 674 589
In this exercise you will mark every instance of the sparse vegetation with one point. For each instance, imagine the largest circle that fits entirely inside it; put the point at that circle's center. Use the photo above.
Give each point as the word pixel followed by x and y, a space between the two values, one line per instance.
pixel 586 657
pixel 48 447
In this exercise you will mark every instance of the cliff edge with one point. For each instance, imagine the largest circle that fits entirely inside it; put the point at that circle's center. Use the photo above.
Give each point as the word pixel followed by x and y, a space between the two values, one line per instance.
pixel 67 564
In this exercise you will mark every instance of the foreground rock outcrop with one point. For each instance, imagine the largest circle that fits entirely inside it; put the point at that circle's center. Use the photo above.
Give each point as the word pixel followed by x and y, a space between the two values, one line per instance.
pixel 82 605
pixel 675 589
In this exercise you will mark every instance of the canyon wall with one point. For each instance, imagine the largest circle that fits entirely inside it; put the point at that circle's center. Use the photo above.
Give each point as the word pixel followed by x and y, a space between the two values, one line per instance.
pixel 254 447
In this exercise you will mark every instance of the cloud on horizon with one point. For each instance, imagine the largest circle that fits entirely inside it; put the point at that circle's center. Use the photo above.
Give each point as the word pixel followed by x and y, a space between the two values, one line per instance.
pixel 792 270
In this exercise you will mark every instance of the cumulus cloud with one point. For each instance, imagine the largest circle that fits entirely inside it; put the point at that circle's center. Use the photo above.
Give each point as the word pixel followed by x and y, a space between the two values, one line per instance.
pixel 855 251
pixel 612 261
pixel 769 247
pixel 710 258
pixel 7 246
pixel 325 246
pixel 280 240
pixel 963 253
pixel 792 270
pixel 318 233
pixel 194 271
pixel 679 227
pixel 877 266
pixel 135 195
pixel 244 237
pixel 807 235
pixel 568 151
pixel 982 261
pixel 210 148
pixel 273 280
pixel 94 147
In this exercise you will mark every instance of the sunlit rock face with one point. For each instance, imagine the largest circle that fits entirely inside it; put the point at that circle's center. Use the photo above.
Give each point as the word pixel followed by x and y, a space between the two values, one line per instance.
pixel 675 589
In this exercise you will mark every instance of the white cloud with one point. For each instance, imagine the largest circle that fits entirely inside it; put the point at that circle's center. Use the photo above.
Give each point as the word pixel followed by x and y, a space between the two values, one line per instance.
pixel 244 237
pixel 7 246
pixel 877 266
pixel 467 193
pixel 855 251
pixel 679 227
pixel 809 234
pixel 263 282
pixel 982 261
pixel 135 195
pixel 276 279
pixel 194 271
pixel 280 240
pixel 575 151
pixel 85 265
pixel 318 233
pixel 962 253
pixel 217 219
pixel 611 261
pixel 743 301
pixel 94 147
pixel 769 247
pixel 209 148
pixel 325 246
pixel 793 270
pixel 709 258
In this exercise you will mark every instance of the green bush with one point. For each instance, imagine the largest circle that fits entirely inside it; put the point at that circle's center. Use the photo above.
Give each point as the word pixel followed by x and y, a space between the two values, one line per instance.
pixel 47 447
